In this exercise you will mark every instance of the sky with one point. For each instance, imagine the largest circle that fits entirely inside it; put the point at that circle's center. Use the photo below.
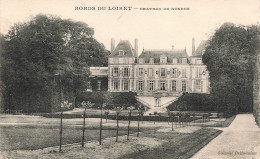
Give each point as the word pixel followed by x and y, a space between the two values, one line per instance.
pixel 154 29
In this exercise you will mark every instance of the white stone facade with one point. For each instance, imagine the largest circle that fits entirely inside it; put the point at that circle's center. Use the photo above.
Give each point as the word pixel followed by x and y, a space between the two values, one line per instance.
pixel 156 72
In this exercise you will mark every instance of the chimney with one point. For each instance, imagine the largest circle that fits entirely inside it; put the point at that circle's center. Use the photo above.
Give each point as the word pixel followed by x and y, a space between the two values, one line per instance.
pixel 112 45
pixel 136 47
pixel 193 46
pixel 172 47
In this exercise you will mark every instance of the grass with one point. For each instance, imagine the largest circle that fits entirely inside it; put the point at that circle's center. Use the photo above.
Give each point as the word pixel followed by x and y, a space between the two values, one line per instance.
pixel 176 145
pixel 31 137
pixel 225 123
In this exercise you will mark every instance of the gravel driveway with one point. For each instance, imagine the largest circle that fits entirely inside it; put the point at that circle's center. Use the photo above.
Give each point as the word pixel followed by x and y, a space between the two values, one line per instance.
pixel 240 140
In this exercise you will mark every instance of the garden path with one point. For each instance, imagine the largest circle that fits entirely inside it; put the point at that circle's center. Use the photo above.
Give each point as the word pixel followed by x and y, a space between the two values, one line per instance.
pixel 240 140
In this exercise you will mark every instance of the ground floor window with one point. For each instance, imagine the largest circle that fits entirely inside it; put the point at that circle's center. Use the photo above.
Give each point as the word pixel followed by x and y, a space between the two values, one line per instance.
pixel 183 86
pixel 174 86
pixel 115 85
pixel 198 84
pixel 140 85
pixel 99 85
pixel 151 85
pixel 125 85
pixel 162 85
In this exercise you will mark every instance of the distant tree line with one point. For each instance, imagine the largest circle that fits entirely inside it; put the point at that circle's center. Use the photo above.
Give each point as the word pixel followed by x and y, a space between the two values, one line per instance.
pixel 43 56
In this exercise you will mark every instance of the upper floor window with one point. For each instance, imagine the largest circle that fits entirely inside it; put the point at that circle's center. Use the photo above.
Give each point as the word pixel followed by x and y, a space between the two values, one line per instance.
pixel 150 72
pixel 198 72
pixel 126 72
pixel 175 72
pixel 115 71
pixel 184 73
pixel 121 53
pixel 163 72
pixel 140 72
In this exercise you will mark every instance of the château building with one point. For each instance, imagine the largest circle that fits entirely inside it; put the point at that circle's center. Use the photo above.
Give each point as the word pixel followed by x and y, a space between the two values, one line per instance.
pixel 156 72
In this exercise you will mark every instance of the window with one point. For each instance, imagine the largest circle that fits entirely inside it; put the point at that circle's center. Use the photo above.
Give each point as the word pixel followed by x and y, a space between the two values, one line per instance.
pixel 163 72
pixel 184 60
pixel 174 60
pixel 198 84
pixel 140 72
pixel 183 86
pixel 179 60
pixel 140 85
pixel 141 60
pixel 183 72
pixel 163 59
pixel 115 85
pixel 89 85
pixel 150 72
pixel 114 71
pixel 162 85
pixel 174 86
pixel 198 61
pixel 125 85
pixel 98 85
pixel 126 72
pixel 175 73
pixel 121 53
pixel 151 60
pixel 151 85
pixel 198 73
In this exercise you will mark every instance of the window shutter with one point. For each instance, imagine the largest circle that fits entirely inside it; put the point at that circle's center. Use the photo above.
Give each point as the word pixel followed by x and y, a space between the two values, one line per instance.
pixel 112 85
pixel 136 72
pixel 112 73
pixel 158 85
pixel 128 71
pixel 201 86
pixel 194 85
pixel 166 85
pixel 187 86
pixel 170 85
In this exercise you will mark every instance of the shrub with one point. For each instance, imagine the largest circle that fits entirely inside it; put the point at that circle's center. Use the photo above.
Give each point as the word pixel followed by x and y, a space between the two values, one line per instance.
pixel 193 102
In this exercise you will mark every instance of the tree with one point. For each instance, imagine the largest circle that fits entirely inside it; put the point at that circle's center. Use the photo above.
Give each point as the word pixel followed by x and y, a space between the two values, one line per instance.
pixel 230 60
pixel 37 50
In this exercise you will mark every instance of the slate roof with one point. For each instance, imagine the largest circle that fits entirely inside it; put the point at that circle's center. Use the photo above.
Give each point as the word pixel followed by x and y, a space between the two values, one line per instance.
pixel 124 45
pixel 202 46
pixel 147 54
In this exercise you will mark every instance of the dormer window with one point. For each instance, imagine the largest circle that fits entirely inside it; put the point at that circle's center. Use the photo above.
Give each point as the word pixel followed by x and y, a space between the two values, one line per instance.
pixel 151 60
pixel 174 60
pixel 141 61
pixel 184 60
pixel 163 59
pixel 121 53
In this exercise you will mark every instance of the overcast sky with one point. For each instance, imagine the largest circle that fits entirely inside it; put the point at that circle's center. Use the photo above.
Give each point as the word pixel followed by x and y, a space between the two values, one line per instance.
pixel 159 29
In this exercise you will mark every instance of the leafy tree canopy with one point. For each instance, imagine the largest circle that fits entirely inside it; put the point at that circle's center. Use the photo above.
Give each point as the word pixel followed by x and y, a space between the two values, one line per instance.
pixel 230 59
pixel 37 50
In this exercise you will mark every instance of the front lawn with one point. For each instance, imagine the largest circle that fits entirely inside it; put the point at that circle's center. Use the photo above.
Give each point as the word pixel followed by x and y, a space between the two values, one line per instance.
pixel 32 137
pixel 177 145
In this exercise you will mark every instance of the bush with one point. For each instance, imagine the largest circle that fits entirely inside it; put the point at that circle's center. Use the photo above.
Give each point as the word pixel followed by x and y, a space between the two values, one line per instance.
pixel 193 102
pixel 110 98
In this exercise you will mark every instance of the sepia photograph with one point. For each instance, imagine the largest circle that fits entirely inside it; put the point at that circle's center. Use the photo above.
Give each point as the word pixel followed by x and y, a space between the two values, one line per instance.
pixel 129 79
